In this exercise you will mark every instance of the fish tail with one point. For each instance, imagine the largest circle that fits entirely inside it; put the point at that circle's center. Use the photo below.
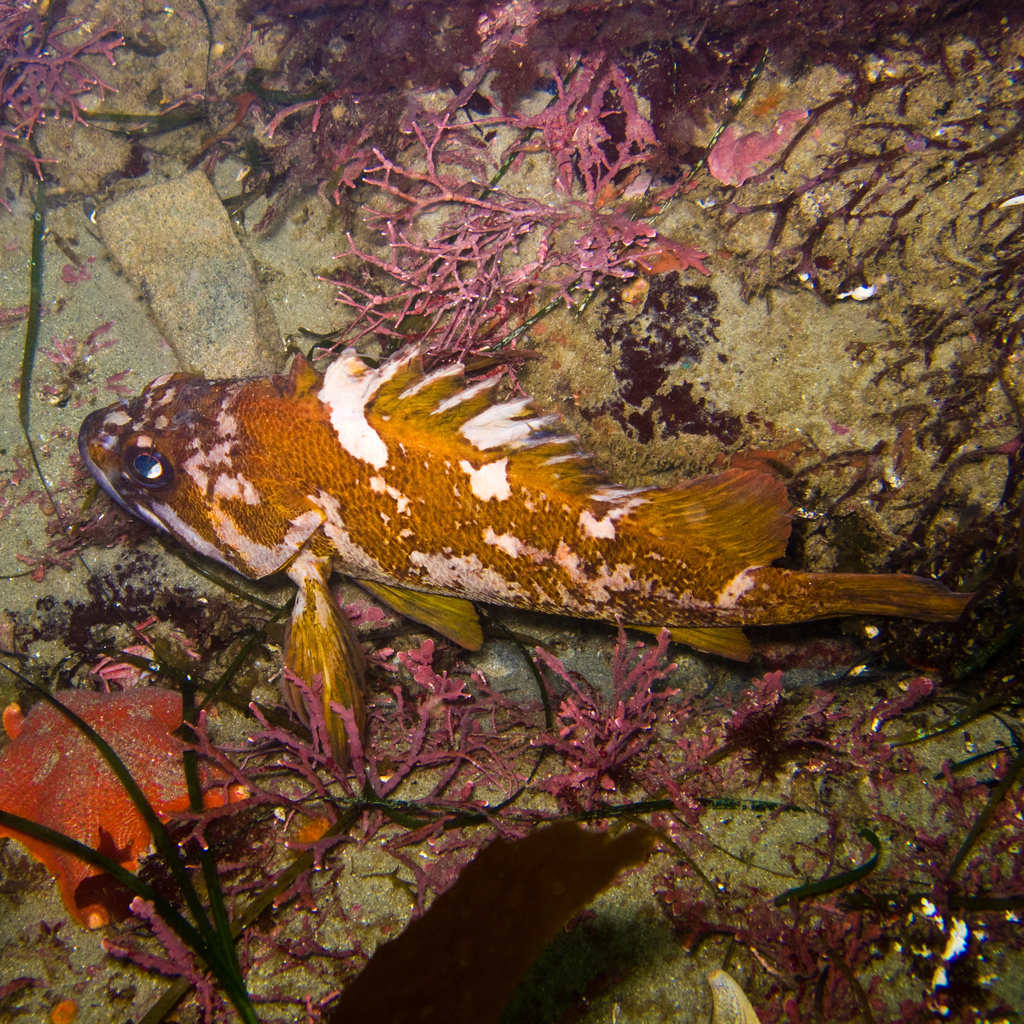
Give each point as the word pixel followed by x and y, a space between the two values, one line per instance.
pixel 321 641
pixel 780 596
pixel 912 597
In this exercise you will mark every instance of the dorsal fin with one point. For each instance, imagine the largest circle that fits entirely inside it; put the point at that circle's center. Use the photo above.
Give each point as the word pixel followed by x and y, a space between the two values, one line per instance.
pixel 740 518
pixel 302 378
pixel 741 515
pixel 464 422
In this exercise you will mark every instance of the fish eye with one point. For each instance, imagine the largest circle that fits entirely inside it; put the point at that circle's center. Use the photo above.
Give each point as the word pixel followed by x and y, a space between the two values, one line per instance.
pixel 148 468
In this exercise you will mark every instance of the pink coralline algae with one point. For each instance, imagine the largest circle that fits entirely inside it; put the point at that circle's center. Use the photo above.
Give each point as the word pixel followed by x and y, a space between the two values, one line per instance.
pixel 576 130
pixel 597 737
pixel 733 157
pixel 42 72
pixel 458 285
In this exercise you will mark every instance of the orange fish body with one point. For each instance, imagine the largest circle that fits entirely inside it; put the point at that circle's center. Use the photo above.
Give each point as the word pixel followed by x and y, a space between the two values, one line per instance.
pixel 433 496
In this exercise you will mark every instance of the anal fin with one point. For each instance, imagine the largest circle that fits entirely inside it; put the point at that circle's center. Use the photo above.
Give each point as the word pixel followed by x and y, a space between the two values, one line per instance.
pixel 321 641
pixel 452 617
pixel 725 641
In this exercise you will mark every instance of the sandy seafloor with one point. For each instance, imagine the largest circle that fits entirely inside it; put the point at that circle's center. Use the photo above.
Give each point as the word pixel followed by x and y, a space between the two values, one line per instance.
pixel 807 368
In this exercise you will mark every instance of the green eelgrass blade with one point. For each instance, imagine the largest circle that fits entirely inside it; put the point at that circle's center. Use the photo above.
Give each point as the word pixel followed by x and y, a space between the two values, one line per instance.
pixel 259 635
pixel 958 721
pixel 35 301
pixel 995 799
pixel 839 881
pixel 207 861
pixel 959 766
pixel 133 125
pixel 35 298
pixel 302 862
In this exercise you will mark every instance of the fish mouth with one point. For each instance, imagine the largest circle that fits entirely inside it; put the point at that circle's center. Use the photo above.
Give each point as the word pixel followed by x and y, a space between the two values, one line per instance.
pixel 97 449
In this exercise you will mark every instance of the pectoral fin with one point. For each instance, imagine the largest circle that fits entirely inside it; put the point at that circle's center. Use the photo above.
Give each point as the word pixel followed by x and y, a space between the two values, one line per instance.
pixel 452 617
pixel 725 641
pixel 321 640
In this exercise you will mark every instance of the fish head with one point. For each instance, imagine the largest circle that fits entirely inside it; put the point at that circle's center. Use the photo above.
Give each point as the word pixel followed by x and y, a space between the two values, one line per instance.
pixel 186 456
pixel 135 448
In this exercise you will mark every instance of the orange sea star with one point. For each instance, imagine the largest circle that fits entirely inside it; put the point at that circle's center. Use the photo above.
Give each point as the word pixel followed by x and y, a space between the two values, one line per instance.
pixel 52 774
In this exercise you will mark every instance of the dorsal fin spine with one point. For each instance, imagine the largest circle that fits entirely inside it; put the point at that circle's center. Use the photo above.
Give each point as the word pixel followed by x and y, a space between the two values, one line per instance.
pixel 456 370
pixel 465 395
pixel 499 425
pixel 456 422
pixel 302 378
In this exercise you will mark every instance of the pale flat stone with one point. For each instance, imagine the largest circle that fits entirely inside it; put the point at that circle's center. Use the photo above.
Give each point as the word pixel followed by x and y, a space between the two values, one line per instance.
pixel 176 243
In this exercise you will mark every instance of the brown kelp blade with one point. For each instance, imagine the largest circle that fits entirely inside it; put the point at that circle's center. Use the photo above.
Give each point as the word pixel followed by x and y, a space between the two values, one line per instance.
pixel 461 961
pixel 321 641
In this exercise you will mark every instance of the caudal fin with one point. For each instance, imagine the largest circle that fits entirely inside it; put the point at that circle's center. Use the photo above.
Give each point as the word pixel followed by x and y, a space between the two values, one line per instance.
pixel 911 597
pixel 779 596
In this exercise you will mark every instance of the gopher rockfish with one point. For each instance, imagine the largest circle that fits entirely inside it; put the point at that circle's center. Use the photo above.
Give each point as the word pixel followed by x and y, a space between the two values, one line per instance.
pixel 432 495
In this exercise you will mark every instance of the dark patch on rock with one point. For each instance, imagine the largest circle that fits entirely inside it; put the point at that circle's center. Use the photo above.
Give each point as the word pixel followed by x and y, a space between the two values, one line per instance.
pixel 675 329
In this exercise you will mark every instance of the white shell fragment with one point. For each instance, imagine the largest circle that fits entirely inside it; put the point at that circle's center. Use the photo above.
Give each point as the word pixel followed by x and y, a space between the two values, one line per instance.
pixel 731 1006
pixel 859 294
